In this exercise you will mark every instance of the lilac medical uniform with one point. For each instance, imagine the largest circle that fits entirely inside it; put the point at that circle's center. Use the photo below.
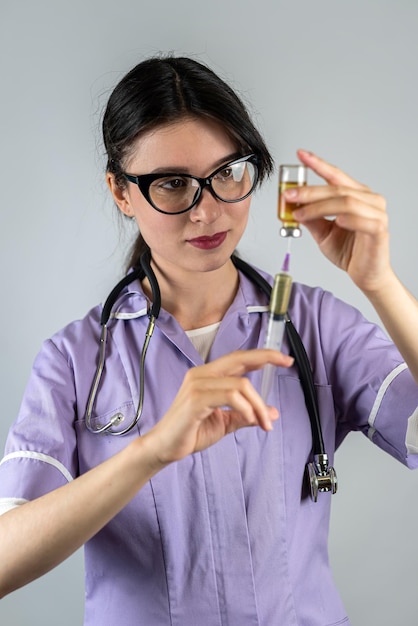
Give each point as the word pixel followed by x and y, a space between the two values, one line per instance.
pixel 228 536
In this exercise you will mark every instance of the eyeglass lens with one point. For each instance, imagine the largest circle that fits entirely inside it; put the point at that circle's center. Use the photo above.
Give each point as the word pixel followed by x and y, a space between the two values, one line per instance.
pixel 173 194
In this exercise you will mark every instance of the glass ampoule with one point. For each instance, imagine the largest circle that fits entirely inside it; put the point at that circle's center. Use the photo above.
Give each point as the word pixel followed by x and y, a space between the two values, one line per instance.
pixel 290 176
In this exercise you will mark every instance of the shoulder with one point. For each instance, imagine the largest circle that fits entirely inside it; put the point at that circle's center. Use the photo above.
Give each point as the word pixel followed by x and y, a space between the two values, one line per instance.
pixel 306 303
pixel 79 335
pixel 315 302
pixel 77 332
pixel 321 307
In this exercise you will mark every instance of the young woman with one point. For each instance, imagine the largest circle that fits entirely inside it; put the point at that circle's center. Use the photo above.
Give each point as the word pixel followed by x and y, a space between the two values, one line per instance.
pixel 188 517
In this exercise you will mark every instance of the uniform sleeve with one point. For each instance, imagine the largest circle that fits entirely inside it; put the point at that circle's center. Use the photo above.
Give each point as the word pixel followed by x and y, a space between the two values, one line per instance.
pixel 40 452
pixel 373 389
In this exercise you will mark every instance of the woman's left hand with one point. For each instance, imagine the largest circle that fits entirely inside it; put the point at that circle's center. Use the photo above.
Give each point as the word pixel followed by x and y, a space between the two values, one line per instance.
pixel 348 222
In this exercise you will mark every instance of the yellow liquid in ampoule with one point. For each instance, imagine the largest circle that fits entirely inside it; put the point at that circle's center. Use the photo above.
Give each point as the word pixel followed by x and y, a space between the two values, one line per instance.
pixel 285 209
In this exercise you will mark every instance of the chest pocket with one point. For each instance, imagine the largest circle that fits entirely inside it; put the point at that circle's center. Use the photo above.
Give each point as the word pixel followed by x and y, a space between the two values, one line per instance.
pixel 94 448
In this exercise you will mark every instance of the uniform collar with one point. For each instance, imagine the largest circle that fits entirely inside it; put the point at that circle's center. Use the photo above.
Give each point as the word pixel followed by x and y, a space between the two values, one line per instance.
pixel 238 324
pixel 133 303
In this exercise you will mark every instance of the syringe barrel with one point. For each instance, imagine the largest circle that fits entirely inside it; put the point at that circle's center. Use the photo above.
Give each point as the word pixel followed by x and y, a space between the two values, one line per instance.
pixel 280 294
pixel 279 301
pixel 275 330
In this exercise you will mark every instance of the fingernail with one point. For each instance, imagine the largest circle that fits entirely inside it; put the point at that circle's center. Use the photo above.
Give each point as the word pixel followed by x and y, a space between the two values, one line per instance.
pixel 306 152
pixel 291 193
pixel 274 413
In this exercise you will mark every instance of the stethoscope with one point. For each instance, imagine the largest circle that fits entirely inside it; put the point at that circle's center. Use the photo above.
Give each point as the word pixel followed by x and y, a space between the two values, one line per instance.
pixel 321 476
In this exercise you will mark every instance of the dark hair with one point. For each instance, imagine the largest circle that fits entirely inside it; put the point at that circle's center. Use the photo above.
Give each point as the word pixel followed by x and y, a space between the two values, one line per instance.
pixel 163 90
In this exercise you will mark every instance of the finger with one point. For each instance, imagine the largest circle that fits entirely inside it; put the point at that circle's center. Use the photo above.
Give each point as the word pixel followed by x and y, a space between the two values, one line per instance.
pixel 241 362
pixel 353 197
pixel 237 393
pixel 339 207
pixel 332 174
pixel 205 394
pixel 252 405
pixel 319 229
pixel 254 410
pixel 368 225
pixel 234 420
pixel 322 228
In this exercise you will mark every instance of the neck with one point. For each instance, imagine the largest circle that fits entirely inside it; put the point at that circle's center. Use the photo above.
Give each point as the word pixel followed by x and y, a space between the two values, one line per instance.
pixel 196 299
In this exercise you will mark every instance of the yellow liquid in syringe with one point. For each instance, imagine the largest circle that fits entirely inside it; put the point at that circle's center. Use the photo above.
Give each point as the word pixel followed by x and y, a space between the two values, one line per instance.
pixel 285 209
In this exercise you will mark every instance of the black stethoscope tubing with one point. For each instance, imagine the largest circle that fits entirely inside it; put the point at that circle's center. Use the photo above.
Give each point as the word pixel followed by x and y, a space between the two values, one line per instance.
pixel 297 348
pixel 321 476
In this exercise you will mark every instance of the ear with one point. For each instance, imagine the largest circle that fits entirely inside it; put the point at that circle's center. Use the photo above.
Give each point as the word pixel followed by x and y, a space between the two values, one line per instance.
pixel 120 196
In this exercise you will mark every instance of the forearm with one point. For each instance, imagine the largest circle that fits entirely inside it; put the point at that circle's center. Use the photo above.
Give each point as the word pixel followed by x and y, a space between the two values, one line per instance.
pixel 398 310
pixel 38 535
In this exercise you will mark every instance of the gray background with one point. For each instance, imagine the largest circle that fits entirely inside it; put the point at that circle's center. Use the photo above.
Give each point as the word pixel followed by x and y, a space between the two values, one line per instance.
pixel 338 78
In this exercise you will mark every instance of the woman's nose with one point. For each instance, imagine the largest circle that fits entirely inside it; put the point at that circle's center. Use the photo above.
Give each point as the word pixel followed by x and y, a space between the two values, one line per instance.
pixel 208 208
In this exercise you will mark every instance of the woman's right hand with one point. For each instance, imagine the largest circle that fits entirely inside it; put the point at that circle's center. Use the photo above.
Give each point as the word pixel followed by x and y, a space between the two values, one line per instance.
pixel 215 399
pixel 196 419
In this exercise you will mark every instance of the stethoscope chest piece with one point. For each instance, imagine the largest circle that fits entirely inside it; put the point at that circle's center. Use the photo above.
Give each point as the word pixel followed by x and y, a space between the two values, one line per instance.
pixel 321 477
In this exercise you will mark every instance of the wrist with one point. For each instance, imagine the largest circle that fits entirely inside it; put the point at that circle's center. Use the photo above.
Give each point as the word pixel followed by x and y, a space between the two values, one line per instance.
pixel 146 455
pixel 382 288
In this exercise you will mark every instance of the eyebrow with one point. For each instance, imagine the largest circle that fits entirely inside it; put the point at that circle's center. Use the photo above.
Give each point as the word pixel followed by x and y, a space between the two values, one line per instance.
pixel 184 170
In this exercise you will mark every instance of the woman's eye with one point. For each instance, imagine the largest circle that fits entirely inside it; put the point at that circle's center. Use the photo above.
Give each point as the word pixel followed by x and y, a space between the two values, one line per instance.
pixel 232 173
pixel 225 173
pixel 172 183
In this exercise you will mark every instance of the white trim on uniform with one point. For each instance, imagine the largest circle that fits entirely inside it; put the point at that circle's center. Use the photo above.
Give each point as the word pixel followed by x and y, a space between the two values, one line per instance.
pixel 380 394
pixel 412 433
pixel 257 308
pixel 39 456
pixel 7 504
pixel 119 315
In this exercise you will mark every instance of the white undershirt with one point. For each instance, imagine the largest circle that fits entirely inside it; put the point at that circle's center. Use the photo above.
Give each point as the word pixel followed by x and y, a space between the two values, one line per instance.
pixel 203 338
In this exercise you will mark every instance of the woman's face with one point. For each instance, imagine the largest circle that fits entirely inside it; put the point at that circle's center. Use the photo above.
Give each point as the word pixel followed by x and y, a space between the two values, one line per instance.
pixel 203 238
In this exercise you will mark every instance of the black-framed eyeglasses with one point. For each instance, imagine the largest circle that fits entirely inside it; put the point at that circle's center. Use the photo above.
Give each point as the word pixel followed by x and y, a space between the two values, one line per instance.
pixel 173 193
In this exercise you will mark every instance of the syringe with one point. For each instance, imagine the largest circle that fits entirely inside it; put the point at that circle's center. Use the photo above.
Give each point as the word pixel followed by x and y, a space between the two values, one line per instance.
pixel 279 301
